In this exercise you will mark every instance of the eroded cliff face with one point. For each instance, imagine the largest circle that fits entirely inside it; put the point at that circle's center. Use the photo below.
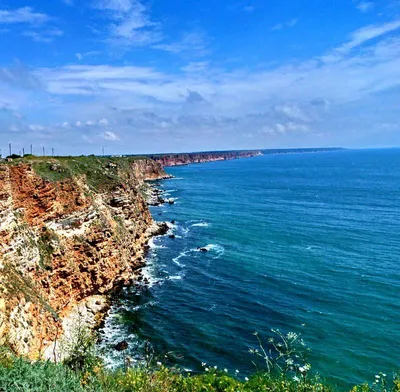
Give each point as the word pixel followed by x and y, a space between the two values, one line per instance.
pixel 64 242
pixel 202 157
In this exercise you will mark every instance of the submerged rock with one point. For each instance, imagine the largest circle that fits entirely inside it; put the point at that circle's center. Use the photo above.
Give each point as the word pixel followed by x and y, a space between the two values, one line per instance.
pixel 202 249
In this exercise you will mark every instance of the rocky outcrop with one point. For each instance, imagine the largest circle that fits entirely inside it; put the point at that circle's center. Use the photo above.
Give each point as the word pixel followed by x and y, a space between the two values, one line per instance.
pixel 201 157
pixel 67 240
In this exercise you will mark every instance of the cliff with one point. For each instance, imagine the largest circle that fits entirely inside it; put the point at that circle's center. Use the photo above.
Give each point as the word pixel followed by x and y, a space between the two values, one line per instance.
pixel 201 157
pixel 71 230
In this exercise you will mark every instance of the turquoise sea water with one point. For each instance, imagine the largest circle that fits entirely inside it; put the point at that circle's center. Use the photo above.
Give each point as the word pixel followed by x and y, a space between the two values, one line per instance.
pixel 308 243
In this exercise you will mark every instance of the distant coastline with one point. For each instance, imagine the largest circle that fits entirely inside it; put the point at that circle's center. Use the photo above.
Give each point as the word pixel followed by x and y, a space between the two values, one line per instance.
pixel 180 159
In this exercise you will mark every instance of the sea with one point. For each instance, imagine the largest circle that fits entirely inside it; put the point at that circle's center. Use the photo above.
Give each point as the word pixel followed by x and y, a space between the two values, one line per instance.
pixel 301 242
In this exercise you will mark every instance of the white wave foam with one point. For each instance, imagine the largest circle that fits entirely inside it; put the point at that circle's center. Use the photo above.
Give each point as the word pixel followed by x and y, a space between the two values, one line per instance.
pixel 176 259
pixel 176 277
pixel 217 249
pixel 152 245
pixel 201 224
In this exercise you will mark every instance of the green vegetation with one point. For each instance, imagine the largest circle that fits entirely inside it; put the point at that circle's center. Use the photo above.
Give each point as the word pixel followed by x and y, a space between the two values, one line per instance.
pixel 82 371
pixel 101 172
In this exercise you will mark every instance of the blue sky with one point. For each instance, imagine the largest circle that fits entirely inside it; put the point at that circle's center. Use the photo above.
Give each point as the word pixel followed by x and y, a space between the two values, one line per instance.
pixel 138 76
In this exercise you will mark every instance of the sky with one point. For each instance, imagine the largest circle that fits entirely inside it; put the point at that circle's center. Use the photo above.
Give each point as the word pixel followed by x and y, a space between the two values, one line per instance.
pixel 154 76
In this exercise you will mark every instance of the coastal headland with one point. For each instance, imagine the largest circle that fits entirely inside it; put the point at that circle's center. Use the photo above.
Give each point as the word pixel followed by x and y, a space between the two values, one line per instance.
pixel 73 230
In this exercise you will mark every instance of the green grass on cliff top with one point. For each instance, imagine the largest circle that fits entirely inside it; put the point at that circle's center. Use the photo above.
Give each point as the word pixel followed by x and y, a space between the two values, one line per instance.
pixel 100 172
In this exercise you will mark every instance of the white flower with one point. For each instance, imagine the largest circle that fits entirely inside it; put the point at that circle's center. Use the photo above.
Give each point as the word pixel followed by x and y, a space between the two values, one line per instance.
pixel 226 370
pixel 246 378
pixel 295 378
pixel 206 369
pixel 215 367
pixel 377 376
pixel 159 364
pixel 236 371
pixel 383 375
pixel 203 364
pixel 302 369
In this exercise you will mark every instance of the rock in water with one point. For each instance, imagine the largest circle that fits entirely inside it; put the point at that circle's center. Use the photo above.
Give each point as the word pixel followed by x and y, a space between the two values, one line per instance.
pixel 121 346
pixel 202 249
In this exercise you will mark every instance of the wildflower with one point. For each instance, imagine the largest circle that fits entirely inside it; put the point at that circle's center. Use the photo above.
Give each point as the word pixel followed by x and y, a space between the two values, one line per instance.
pixel 236 371
pixel 295 378
pixel 226 370
pixel 246 378
pixel 159 363
pixel 292 335
pixel 377 376
pixel 383 375
pixel 215 367
pixel 206 369
pixel 203 364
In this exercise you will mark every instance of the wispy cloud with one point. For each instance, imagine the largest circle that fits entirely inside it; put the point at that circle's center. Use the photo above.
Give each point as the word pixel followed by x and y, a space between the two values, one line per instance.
pixel 361 37
pixel 22 15
pixel 365 6
pixel 46 36
pixel 289 23
pixel 289 103
pixel 193 44
pixel 130 24
pixel 110 136
pixel 80 56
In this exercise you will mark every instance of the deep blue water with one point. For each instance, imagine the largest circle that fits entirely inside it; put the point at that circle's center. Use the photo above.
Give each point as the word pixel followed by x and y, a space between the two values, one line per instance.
pixel 308 243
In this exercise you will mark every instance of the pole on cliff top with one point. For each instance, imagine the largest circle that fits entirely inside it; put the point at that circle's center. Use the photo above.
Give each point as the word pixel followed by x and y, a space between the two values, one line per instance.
pixel 102 149
pixel 9 146
pixel 52 152
pixel 23 151
pixel 31 149
pixel 43 150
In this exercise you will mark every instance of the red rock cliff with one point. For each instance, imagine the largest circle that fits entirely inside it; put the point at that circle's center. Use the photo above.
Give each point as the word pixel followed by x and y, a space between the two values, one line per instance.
pixel 64 240
pixel 202 157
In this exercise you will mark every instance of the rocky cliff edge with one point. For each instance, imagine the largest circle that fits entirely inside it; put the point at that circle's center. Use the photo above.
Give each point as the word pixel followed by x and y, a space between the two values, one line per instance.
pixel 71 230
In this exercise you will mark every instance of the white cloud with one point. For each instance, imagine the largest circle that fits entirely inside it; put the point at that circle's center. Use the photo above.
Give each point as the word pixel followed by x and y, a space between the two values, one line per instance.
pixel 104 122
pixel 78 124
pixel 361 37
pixel 130 24
pixel 14 128
pixel 90 123
pixel 81 56
pixel 111 136
pixel 289 103
pixel 35 127
pixel 46 36
pixel 22 15
pixel 289 23
pixel 365 6
pixel 293 111
pixel 193 43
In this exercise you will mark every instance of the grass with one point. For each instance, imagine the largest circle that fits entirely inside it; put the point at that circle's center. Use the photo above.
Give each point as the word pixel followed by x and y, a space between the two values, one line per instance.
pixel 101 172
pixel 82 371
pixel 17 374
